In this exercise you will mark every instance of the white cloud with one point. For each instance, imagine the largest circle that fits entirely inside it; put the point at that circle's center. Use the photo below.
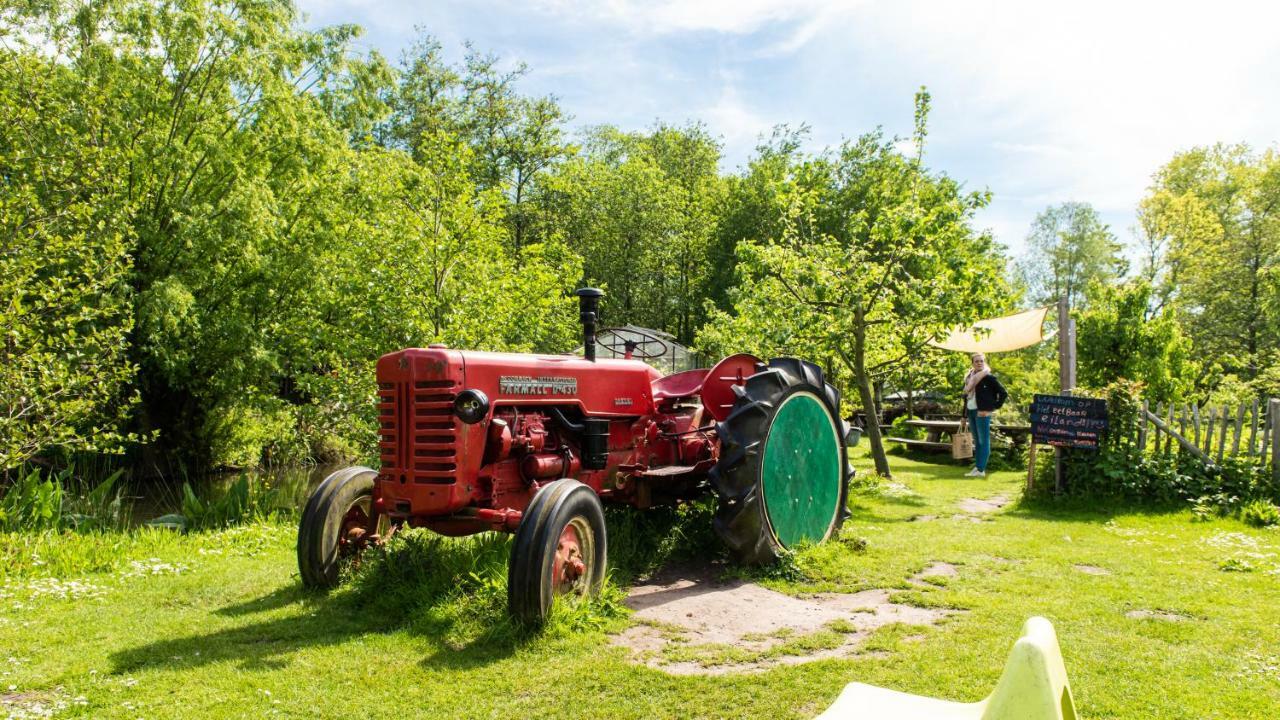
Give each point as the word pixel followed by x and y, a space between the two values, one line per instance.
pixel 1080 101
pixel 731 119
pixel 673 16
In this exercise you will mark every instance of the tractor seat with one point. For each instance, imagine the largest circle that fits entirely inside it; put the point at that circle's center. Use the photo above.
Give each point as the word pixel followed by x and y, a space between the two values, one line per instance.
pixel 679 385
pixel 1033 687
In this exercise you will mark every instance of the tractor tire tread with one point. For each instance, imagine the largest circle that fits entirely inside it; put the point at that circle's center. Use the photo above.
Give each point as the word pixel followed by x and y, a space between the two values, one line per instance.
pixel 311 514
pixel 318 563
pixel 739 519
pixel 529 594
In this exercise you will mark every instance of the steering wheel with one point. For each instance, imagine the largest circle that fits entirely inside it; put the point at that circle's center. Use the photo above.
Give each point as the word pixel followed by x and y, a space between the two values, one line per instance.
pixel 647 346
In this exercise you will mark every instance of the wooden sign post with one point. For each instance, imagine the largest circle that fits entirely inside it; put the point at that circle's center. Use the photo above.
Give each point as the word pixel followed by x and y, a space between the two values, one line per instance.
pixel 1064 421
pixel 1066 369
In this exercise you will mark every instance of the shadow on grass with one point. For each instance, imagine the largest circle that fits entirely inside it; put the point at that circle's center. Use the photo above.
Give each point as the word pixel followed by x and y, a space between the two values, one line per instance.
pixel 908 500
pixel 278 598
pixel 451 592
pixel 448 590
pixel 1087 510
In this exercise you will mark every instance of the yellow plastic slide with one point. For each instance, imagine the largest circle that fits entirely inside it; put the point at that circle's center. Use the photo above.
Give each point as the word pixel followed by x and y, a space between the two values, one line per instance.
pixel 1033 687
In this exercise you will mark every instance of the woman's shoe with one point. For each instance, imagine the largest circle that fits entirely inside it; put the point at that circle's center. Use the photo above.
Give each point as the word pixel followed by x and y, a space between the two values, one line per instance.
pixel 973 473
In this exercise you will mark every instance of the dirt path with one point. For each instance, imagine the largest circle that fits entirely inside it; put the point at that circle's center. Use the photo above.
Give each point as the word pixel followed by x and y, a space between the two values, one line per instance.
pixel 975 506
pixel 691 623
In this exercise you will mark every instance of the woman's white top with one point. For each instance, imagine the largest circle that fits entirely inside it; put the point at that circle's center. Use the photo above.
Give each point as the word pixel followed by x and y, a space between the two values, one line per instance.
pixel 972 404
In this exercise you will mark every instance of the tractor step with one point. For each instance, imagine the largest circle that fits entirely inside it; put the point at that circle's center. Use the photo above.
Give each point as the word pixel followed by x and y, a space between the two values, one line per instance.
pixel 667 471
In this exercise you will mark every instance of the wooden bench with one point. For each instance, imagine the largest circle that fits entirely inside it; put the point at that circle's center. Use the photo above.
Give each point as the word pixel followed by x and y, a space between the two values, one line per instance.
pixel 936 429
pixel 926 445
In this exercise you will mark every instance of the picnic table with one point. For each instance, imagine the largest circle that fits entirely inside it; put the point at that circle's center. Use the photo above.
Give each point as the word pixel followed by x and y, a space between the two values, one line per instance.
pixel 936 429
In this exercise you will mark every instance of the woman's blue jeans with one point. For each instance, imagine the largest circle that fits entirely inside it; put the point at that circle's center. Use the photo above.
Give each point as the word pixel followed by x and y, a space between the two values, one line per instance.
pixel 980 426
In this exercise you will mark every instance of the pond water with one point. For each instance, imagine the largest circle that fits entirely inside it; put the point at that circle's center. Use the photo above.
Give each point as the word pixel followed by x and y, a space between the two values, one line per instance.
pixel 292 485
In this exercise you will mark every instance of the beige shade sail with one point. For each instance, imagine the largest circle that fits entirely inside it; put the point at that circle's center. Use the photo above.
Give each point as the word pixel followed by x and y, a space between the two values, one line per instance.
pixel 1002 334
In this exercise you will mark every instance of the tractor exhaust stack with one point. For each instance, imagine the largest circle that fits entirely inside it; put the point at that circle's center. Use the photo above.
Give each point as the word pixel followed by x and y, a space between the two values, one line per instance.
pixel 589 306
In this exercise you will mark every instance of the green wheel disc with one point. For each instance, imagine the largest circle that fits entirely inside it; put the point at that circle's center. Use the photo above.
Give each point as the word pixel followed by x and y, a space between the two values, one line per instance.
pixel 801 471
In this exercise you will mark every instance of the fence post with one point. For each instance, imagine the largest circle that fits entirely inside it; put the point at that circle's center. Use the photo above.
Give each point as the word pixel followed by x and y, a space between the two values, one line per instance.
pixel 1268 415
pixel 1235 445
pixel 1253 433
pixel 1275 439
pixel 1142 428
pixel 1183 442
pixel 1222 433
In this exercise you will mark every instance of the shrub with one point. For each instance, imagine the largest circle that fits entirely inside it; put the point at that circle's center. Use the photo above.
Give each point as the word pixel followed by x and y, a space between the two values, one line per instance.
pixel 40 500
pixel 1260 513
pixel 900 428
pixel 1120 470
pixel 244 500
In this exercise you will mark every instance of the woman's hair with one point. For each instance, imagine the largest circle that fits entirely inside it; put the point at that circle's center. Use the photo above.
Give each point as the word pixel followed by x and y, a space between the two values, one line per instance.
pixel 977 355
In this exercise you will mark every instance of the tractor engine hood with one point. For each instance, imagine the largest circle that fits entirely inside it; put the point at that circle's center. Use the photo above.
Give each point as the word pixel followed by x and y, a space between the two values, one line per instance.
pixel 604 388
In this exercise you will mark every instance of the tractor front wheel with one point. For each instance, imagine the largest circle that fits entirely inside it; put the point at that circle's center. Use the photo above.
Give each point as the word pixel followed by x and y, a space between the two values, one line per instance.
pixel 559 550
pixel 782 478
pixel 335 525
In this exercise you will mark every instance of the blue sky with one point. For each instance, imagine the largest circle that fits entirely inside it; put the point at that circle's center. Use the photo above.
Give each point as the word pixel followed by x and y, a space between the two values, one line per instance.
pixel 1040 103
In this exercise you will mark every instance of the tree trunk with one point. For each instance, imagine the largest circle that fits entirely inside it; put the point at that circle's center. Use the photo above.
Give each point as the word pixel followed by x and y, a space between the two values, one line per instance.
pixel 869 405
pixel 911 406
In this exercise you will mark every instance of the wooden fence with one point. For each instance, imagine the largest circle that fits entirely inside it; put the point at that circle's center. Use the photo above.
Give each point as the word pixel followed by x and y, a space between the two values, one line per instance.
pixel 1213 432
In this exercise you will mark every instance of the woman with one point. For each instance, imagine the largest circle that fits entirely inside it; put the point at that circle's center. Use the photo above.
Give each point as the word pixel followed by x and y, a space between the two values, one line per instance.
pixel 983 395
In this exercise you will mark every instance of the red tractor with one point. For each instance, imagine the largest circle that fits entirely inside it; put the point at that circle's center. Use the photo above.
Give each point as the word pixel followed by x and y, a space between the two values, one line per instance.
pixel 534 444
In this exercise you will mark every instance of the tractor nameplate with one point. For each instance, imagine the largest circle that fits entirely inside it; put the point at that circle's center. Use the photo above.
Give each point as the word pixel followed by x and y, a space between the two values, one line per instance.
pixel 525 385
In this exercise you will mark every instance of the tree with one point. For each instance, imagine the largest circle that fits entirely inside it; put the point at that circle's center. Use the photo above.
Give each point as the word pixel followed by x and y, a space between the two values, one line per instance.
pixel 1070 250
pixel 689 158
pixel 198 215
pixel 1212 220
pixel 640 209
pixel 1120 337
pixel 513 139
pixel 876 257
pixel 754 207
pixel 64 266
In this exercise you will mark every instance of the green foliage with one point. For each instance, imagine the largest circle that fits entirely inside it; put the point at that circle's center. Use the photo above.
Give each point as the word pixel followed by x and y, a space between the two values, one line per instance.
pixel 214 219
pixel 38 500
pixel 33 502
pixel 457 587
pixel 1070 251
pixel 900 428
pixel 246 499
pixel 643 541
pixel 1118 337
pixel 641 209
pixel 1260 513
pixel 1024 373
pixel 64 266
pixel 227 216
pixel 1121 471
pixel 1213 242
pixel 875 257
pixel 754 207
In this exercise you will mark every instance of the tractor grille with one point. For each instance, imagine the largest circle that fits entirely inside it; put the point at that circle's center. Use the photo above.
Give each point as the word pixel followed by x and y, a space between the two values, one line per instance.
pixel 416 429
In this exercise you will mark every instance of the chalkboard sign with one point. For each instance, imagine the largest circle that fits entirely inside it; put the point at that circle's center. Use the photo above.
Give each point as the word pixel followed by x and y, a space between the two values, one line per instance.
pixel 1067 421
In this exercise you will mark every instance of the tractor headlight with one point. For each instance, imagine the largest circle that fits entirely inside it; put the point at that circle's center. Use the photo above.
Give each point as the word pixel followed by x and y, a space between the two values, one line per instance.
pixel 471 406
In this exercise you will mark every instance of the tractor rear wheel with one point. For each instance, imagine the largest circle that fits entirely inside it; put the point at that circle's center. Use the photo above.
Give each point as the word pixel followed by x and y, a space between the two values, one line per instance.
pixel 334 525
pixel 559 550
pixel 782 478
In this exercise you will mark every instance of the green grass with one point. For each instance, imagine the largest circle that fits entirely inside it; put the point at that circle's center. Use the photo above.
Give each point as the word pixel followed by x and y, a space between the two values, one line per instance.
pixel 215 624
